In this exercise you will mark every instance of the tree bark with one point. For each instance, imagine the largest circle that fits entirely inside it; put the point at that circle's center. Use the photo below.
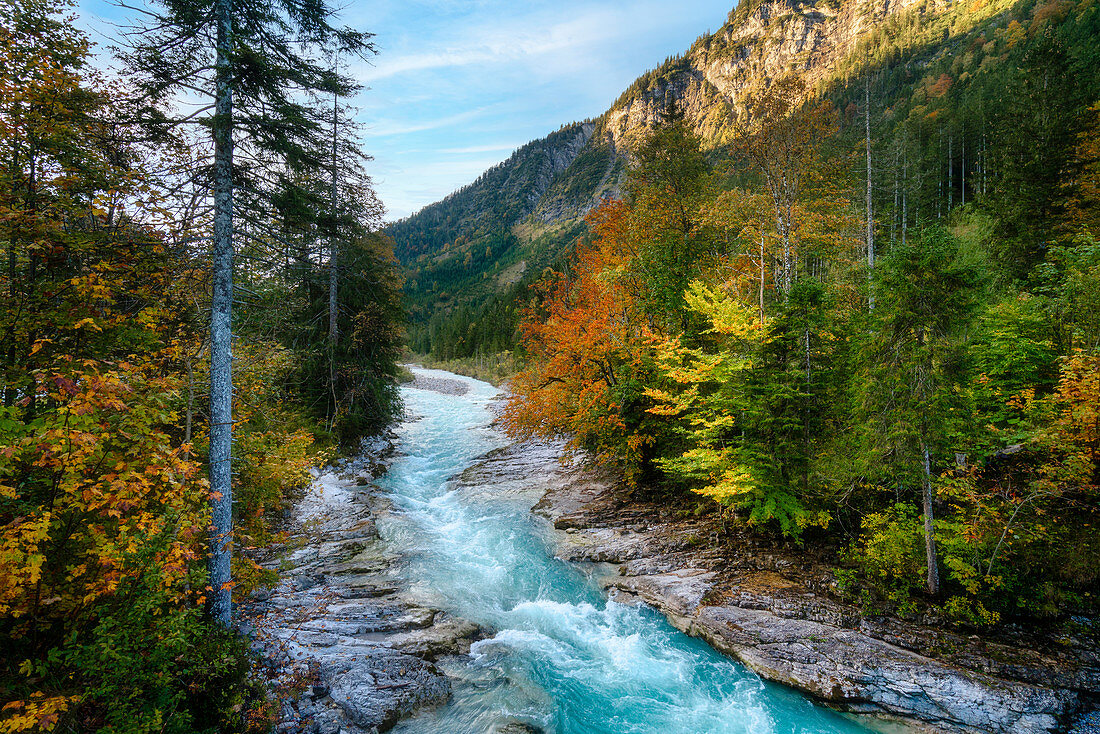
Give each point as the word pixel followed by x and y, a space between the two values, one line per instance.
pixel 905 185
pixel 870 213
pixel 950 172
pixel 221 335
pixel 333 273
pixel 962 172
pixel 762 273
pixel 931 557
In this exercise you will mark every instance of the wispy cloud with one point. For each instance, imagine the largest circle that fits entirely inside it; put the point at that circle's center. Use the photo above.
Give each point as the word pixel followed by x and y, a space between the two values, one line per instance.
pixel 389 128
pixel 501 148
pixel 494 44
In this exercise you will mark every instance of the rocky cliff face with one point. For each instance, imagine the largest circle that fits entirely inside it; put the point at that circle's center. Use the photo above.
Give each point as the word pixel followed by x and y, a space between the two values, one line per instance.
pixel 561 177
pixel 762 41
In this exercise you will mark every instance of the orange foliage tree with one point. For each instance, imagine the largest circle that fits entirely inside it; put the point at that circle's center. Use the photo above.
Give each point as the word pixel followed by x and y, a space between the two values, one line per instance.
pixel 588 348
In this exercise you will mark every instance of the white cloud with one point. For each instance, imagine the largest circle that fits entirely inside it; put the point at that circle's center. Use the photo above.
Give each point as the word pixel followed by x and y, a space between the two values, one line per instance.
pixel 494 44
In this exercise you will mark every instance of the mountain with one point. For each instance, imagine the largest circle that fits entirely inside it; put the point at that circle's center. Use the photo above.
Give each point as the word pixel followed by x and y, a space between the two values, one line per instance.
pixel 470 255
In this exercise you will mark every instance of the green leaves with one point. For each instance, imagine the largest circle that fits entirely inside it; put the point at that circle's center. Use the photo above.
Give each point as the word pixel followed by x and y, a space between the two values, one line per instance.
pixel 710 391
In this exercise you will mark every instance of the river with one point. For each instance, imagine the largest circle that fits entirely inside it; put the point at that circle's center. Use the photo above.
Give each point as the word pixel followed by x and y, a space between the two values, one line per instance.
pixel 563 658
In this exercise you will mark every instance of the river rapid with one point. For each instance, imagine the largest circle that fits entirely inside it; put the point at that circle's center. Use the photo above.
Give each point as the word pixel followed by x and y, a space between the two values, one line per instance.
pixel 562 658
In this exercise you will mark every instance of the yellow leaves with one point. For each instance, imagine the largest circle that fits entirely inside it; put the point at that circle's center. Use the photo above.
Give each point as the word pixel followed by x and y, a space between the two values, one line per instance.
pixel 728 317
pixel 21 560
pixel 1078 397
pixel 39 712
pixel 666 403
pixel 113 480
pixel 89 322
pixel 735 482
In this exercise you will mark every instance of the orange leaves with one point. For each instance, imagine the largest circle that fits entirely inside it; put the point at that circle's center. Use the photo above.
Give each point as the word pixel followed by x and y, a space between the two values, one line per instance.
pixel 1078 396
pixel 941 86
pixel 588 345
pixel 104 490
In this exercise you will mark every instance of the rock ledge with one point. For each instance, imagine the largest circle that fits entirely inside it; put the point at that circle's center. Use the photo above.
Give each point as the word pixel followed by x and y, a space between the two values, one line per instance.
pixel 774 613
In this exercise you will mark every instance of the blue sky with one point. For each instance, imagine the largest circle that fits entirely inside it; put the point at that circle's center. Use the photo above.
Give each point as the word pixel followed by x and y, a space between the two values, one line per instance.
pixel 459 84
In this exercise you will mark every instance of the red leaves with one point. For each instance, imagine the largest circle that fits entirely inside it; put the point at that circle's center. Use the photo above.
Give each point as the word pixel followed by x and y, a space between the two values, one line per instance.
pixel 586 338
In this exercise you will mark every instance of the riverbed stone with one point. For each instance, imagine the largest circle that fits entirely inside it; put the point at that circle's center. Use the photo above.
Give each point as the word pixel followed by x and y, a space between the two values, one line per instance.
pixel 377 689
pixel 515 727
pixel 349 649
pixel 781 620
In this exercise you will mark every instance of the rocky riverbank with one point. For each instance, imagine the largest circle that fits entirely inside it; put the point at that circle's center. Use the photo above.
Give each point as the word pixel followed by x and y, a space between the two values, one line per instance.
pixel 347 648
pixel 778 613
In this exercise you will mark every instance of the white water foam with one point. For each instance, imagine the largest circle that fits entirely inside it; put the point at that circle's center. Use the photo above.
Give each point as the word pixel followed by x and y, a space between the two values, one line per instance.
pixel 563 658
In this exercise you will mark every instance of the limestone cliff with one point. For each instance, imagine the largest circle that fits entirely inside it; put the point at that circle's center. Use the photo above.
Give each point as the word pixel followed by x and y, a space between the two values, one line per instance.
pixel 561 177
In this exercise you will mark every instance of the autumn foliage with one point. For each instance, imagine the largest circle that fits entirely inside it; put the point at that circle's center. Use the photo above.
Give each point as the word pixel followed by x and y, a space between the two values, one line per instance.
pixel 588 344
pixel 104 504
pixel 713 337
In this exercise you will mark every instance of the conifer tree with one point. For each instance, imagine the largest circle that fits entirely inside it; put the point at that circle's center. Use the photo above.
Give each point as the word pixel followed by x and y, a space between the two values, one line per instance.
pixel 666 188
pixel 259 67
pixel 926 301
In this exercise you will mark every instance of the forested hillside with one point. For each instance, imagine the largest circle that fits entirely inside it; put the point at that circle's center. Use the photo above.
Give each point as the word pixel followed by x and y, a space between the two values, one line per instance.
pixel 866 322
pixel 939 77
pixel 107 216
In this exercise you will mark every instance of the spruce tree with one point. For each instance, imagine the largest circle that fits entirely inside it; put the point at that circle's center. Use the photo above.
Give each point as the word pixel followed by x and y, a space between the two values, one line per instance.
pixel 258 71
pixel 917 358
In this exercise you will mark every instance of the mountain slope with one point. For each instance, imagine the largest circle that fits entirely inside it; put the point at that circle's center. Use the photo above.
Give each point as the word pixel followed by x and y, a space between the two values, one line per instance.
pixel 522 214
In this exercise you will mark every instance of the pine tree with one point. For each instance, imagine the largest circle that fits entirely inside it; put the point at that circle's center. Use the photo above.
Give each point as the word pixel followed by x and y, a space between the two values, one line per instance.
pixel 666 188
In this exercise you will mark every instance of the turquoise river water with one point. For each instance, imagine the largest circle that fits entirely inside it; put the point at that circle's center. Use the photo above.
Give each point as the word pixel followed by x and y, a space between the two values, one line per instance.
pixel 562 658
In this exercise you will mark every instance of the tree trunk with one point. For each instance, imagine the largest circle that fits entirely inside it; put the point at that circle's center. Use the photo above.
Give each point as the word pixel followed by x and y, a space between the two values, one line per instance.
pixel 897 210
pixel 783 229
pixel 950 172
pixel 905 186
pixel 190 403
pixel 929 529
pixel 333 273
pixel 762 274
pixel 962 172
pixel 221 336
pixel 870 213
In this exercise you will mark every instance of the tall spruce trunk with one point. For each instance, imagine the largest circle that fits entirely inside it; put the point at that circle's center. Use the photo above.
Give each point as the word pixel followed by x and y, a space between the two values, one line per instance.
pixel 221 335
pixel 931 558
pixel 870 212
pixel 333 273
